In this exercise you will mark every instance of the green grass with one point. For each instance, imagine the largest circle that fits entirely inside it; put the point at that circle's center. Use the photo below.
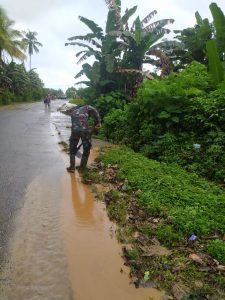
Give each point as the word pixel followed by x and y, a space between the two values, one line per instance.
pixel 186 203
pixel 217 249
pixel 77 101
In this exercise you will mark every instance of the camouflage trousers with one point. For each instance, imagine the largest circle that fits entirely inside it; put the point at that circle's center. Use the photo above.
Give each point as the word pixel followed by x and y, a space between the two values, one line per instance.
pixel 85 136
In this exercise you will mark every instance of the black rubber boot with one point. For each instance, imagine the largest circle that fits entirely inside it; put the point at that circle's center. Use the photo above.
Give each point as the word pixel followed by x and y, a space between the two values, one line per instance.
pixel 83 163
pixel 71 168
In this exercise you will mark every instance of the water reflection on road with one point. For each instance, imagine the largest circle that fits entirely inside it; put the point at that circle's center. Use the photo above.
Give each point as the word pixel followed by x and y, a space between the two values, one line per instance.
pixel 94 256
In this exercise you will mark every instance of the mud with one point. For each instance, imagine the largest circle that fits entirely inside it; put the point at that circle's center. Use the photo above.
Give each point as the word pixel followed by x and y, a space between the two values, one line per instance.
pixel 96 267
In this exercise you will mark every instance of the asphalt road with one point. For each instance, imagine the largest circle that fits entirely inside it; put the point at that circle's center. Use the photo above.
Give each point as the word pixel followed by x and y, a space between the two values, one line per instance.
pixel 27 148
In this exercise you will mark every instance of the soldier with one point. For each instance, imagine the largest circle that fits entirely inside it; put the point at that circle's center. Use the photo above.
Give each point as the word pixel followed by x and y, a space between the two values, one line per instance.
pixel 81 129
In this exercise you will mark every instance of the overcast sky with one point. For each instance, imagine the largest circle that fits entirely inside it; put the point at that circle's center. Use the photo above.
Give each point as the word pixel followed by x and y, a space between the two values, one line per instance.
pixel 56 20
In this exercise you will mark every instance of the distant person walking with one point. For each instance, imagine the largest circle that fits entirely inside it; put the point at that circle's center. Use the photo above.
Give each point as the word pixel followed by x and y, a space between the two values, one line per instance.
pixel 81 129
pixel 47 100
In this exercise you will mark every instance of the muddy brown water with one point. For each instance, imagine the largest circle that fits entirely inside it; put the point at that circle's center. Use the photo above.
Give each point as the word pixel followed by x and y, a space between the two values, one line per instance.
pixel 64 246
pixel 96 267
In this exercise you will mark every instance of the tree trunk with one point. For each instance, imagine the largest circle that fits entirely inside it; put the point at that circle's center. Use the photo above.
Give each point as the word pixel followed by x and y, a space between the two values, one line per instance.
pixel 30 61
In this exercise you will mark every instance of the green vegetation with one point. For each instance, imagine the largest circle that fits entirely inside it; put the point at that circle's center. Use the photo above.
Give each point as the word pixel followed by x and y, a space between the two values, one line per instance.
pixel 121 50
pixel 169 117
pixel 217 249
pixel 173 118
pixel 157 205
pixel 16 83
pixel 10 38
pixel 189 204
pixel 177 117
pixel 77 101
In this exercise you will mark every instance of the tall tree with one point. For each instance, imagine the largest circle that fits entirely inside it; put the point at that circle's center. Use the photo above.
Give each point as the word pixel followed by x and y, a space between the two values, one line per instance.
pixel 31 43
pixel 10 38
pixel 119 48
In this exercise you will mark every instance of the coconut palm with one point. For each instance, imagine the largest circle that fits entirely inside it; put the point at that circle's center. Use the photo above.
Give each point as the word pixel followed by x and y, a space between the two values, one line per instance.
pixel 10 41
pixel 31 43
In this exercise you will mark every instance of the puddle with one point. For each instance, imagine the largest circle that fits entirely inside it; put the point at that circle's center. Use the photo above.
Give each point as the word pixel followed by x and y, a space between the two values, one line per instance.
pixel 96 267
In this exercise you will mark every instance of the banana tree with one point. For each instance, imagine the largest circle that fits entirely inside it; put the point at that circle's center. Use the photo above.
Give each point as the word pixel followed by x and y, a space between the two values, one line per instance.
pixel 194 40
pixel 140 37
pixel 119 47
pixel 216 47
pixel 105 48
pixel 219 23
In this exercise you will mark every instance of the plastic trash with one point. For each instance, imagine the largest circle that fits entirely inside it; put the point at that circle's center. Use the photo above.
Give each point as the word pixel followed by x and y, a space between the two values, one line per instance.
pixel 196 146
pixel 192 238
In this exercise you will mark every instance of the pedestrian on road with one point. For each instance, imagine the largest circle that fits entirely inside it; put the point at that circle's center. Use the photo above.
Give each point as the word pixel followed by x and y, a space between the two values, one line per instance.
pixel 45 101
pixel 48 100
pixel 81 129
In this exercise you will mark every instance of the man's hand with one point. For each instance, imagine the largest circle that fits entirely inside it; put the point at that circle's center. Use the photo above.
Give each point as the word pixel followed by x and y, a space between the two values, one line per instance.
pixel 98 126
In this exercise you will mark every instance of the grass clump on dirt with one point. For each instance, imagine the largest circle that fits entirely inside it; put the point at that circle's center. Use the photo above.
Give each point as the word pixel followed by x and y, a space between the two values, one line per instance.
pixel 64 145
pixel 171 223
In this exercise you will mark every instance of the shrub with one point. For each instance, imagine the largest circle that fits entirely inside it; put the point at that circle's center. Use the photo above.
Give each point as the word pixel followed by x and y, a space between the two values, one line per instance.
pixel 115 124
pixel 108 102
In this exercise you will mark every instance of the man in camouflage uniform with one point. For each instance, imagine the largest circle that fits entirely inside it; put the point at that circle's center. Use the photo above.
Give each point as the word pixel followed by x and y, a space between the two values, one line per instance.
pixel 81 129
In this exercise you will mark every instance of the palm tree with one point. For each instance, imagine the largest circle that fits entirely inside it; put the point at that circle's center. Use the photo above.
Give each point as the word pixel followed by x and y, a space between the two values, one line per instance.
pixel 10 38
pixel 31 43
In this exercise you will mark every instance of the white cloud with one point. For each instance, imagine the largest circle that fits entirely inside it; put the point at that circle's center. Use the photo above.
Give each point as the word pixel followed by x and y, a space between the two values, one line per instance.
pixel 57 20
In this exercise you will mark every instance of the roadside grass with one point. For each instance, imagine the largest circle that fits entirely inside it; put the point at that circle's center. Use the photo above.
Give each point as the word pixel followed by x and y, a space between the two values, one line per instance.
pixel 77 101
pixel 187 203
pixel 65 146
pixel 158 205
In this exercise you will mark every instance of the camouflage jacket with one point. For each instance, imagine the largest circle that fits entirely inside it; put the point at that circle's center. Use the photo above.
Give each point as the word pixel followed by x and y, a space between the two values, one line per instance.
pixel 80 117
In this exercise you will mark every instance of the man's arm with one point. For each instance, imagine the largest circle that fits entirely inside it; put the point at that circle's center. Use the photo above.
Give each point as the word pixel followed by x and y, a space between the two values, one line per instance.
pixel 94 113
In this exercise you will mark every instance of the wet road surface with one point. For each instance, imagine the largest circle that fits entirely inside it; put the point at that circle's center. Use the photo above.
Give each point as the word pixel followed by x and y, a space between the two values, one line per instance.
pixel 55 238
pixel 26 150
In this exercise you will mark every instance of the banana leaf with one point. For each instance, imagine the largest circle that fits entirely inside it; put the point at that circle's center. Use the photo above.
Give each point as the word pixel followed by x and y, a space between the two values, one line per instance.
pixel 215 65
pixel 128 14
pixel 219 22
pixel 148 17
pixel 97 30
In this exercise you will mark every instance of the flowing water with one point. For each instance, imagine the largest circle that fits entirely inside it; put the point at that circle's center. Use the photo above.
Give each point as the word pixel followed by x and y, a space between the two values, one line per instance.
pixel 64 247
pixel 96 267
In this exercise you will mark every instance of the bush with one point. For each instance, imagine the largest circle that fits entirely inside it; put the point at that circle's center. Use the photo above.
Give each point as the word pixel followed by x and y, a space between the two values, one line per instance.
pixel 169 116
pixel 115 124
pixel 106 103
